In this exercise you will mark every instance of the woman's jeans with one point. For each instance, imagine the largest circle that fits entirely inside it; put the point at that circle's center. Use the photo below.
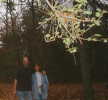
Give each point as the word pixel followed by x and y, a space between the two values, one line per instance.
pixel 24 95
pixel 38 97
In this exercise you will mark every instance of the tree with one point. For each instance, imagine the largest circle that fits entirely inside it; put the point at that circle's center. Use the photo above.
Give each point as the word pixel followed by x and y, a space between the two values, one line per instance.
pixel 60 20
pixel 13 28
pixel 71 24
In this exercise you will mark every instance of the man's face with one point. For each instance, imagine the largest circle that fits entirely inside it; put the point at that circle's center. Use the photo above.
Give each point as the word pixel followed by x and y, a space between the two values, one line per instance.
pixel 25 61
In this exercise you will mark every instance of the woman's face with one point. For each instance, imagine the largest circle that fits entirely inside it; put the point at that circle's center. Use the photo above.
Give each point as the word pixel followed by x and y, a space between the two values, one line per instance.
pixel 37 68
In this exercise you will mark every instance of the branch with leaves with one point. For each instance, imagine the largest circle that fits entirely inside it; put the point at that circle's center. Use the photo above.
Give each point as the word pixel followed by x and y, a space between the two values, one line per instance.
pixel 69 24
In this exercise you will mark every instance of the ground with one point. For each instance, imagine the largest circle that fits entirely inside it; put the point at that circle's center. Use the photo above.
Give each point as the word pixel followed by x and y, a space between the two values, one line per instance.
pixel 59 92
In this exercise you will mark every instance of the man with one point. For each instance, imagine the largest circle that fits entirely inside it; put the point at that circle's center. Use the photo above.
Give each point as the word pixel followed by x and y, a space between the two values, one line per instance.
pixel 23 81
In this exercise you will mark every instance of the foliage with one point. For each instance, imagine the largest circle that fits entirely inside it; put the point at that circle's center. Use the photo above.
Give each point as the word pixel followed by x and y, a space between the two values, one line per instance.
pixel 69 23
pixel 2 0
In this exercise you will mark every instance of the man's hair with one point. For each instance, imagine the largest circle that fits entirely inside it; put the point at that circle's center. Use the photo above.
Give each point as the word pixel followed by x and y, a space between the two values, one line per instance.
pixel 26 57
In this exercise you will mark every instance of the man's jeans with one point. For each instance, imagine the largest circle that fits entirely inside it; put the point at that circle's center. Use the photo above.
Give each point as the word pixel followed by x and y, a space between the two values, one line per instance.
pixel 24 95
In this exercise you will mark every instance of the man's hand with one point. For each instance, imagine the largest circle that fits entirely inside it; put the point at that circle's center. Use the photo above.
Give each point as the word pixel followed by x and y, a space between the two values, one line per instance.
pixel 14 88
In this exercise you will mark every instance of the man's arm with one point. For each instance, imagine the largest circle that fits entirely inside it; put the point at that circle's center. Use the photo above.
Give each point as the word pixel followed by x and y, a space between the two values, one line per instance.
pixel 14 86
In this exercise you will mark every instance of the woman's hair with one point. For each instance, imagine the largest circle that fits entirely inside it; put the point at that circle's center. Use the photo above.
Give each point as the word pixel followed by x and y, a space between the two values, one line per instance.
pixel 37 65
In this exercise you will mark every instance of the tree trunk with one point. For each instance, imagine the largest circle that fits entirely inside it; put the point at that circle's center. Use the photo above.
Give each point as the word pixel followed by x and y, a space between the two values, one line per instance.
pixel 36 41
pixel 86 72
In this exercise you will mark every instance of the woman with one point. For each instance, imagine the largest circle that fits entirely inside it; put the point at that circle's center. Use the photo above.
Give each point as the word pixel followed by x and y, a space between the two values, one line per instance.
pixel 37 83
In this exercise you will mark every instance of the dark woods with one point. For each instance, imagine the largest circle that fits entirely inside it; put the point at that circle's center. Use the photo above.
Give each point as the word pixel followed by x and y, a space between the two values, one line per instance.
pixel 22 37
